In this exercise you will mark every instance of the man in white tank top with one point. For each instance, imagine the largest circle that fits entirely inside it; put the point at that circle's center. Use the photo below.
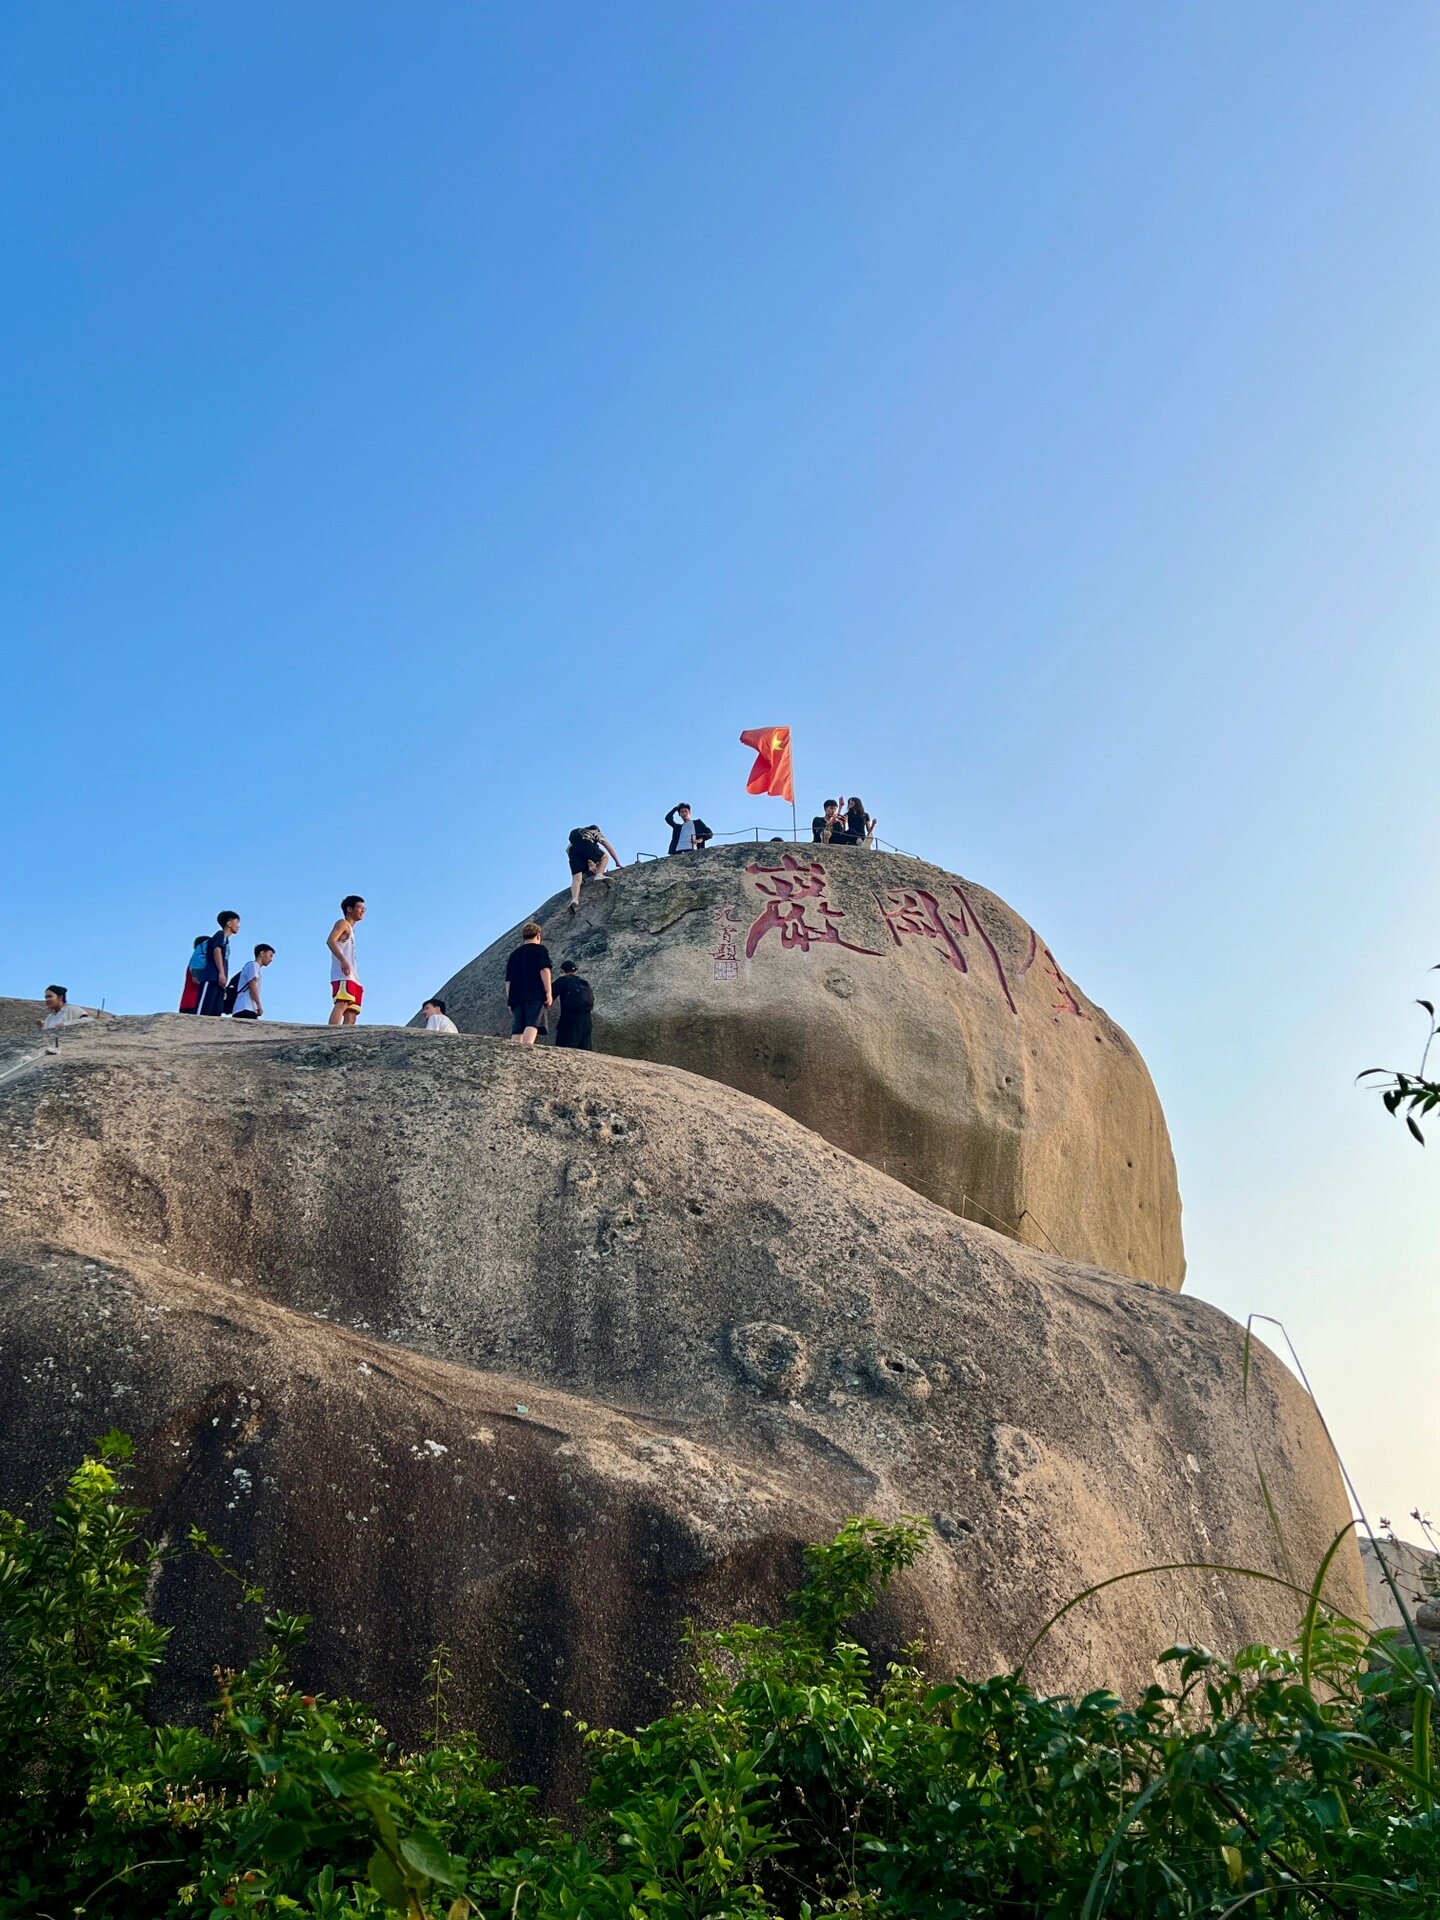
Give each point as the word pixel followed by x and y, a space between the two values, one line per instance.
pixel 346 992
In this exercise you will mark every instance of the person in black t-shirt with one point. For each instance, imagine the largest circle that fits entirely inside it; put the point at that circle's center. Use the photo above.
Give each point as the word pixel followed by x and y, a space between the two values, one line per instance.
pixel 829 827
pixel 577 1002
pixel 527 986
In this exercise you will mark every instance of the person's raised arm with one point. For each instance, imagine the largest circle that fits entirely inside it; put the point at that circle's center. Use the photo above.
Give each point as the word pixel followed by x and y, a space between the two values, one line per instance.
pixel 670 819
pixel 338 951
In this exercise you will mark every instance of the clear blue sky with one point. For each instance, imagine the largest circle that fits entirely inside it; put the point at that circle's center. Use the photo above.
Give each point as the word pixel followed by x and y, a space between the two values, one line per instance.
pixel 427 428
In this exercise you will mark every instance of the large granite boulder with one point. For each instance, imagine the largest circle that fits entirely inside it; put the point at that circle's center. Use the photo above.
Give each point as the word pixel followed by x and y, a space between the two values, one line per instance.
pixel 904 1013
pixel 537 1352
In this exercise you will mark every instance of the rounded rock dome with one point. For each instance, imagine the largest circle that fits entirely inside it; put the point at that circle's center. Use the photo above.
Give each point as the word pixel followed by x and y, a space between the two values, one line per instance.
pixel 902 1012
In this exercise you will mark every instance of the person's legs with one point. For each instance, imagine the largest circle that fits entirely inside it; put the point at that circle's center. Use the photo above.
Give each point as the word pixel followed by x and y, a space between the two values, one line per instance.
pixel 211 1000
pixel 525 1023
pixel 576 880
pixel 347 995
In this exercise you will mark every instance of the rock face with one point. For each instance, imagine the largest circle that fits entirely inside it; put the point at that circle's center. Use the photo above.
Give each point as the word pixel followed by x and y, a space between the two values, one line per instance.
pixel 539 1353
pixel 1416 1571
pixel 901 1012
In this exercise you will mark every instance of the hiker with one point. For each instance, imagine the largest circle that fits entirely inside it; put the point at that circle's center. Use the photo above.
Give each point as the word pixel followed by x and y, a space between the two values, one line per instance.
pixel 59 1012
pixel 243 993
pixel 436 1018
pixel 527 986
pixel 589 852
pixel 687 835
pixel 829 827
pixel 346 992
pixel 858 824
pixel 577 1003
pixel 216 975
pixel 194 977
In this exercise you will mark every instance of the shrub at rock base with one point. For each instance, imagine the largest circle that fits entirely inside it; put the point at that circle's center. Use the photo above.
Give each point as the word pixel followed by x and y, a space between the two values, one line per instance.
pixel 797 1784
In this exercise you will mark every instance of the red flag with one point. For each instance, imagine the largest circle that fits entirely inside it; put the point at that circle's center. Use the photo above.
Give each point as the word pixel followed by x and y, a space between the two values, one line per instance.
pixel 771 771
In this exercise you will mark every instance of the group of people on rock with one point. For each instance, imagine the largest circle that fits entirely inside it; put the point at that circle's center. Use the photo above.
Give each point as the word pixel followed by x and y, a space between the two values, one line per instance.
pixel 843 823
pixel 531 989
pixel 212 990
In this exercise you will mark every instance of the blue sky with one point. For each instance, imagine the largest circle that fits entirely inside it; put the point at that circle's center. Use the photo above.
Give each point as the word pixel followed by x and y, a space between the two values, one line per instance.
pixel 426 429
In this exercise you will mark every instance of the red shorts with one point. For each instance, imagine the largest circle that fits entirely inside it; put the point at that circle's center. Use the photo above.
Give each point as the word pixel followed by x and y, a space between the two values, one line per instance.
pixel 346 993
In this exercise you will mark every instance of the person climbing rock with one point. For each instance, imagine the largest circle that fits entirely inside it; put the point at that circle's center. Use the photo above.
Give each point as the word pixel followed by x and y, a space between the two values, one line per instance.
pixel 527 986
pixel 436 1018
pixel 588 852
pixel 577 1002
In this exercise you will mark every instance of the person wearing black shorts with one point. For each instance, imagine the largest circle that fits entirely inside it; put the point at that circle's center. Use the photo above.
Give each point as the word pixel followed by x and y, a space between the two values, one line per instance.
pixel 577 1003
pixel 527 986
pixel 588 853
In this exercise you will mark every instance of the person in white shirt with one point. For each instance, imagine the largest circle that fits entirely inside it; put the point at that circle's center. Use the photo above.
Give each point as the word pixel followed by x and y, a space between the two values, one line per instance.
pixel 247 985
pixel 436 1018
pixel 346 992
pixel 59 1012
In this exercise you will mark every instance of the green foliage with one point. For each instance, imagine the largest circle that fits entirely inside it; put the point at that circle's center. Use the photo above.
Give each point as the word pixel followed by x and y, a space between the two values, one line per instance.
pixel 1411 1093
pixel 797 1783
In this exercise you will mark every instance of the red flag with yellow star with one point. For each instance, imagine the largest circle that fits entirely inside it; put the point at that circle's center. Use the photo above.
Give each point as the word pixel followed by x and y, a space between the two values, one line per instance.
pixel 771 771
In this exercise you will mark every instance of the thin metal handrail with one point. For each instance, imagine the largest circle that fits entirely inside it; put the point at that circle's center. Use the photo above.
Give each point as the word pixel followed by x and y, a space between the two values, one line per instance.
pixel 734 835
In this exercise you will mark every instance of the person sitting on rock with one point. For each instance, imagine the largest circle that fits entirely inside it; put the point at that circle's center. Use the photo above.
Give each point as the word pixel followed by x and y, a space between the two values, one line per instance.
pixel 527 986
pixel 858 824
pixel 686 834
pixel 577 1003
pixel 830 827
pixel 589 852
pixel 436 1018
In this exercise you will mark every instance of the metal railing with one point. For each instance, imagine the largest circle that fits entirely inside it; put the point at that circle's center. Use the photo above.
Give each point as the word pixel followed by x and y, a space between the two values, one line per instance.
pixel 734 835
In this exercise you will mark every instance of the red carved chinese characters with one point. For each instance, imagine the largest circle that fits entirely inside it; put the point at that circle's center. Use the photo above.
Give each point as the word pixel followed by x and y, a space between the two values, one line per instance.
pixel 1067 1003
pixel 912 914
pixel 790 891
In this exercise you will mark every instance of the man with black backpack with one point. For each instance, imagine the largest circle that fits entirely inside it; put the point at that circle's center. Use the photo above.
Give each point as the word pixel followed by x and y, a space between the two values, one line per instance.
pixel 242 996
pixel 576 1001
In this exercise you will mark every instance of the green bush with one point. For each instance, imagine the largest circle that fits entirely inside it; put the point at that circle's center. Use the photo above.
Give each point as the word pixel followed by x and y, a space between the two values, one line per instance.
pixel 798 1783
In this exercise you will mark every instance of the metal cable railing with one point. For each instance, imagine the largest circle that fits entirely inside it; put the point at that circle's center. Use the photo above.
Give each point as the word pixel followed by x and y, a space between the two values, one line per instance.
pixel 734 835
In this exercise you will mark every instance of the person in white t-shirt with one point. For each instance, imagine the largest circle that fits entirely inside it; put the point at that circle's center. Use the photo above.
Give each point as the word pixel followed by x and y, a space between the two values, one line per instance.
pixel 436 1018
pixel 59 1012
pixel 247 985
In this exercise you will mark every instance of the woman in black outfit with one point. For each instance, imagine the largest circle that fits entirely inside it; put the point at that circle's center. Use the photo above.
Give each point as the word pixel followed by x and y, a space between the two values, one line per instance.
pixel 858 823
